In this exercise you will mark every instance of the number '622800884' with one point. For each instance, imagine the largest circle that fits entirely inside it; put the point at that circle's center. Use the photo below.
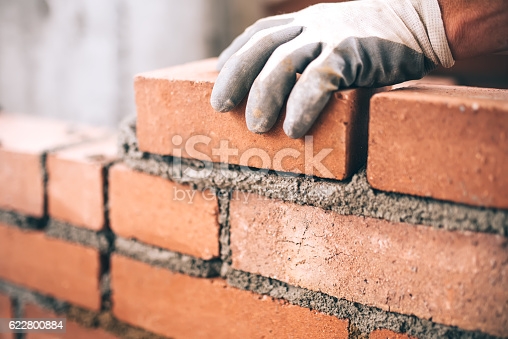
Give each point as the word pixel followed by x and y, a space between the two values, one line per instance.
pixel 27 325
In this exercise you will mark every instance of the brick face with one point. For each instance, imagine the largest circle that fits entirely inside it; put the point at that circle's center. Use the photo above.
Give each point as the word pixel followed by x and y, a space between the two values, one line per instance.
pixel 455 278
pixel 23 140
pixel 76 183
pixel 73 330
pixel 208 308
pixel 22 184
pixel 176 102
pixel 63 270
pixel 156 211
pixel 442 142
pixel 5 312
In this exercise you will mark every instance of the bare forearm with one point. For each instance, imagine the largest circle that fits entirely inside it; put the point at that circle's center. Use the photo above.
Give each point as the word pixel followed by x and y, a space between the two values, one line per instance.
pixel 475 27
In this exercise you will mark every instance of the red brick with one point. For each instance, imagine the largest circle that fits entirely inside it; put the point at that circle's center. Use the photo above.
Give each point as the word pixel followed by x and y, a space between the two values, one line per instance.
pixel 73 329
pixel 148 208
pixel 443 142
pixel 22 184
pixel 23 140
pixel 76 183
pixel 208 308
pixel 5 312
pixel 455 278
pixel 176 101
pixel 61 269
pixel 386 334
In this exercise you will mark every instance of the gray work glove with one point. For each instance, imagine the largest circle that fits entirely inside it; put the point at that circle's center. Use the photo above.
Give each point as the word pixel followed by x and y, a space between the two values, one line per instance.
pixel 362 43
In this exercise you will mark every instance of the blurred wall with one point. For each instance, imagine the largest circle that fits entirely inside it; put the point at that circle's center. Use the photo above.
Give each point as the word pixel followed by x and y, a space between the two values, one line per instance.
pixel 75 59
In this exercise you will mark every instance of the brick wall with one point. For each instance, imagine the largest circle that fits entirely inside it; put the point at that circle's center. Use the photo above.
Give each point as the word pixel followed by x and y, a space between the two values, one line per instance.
pixel 390 222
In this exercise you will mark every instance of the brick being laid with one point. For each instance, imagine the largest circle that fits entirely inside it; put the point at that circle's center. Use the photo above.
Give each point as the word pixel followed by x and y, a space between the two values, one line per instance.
pixel 175 118
pixel 456 278
pixel 443 142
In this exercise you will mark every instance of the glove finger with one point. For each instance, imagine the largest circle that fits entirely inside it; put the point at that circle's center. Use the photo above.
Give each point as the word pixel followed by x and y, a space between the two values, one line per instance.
pixel 239 72
pixel 243 38
pixel 271 88
pixel 311 93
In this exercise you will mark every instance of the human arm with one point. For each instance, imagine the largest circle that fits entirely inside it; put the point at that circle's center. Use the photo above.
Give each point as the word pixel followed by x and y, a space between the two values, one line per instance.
pixel 334 46
pixel 475 27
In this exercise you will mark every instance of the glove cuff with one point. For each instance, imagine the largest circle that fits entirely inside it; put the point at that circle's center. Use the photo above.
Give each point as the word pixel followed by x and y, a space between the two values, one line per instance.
pixel 430 14
pixel 423 18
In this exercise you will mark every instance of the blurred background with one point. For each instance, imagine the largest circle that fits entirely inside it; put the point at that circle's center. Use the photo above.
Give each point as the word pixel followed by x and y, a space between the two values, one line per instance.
pixel 75 60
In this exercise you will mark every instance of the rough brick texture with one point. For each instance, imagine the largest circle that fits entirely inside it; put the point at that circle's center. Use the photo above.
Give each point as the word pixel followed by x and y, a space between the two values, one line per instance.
pixel 159 212
pixel 23 140
pixel 443 142
pixel 176 102
pixel 208 308
pixel 73 330
pixel 455 278
pixel 76 183
pixel 5 312
pixel 50 266
pixel 21 179
pixel 386 334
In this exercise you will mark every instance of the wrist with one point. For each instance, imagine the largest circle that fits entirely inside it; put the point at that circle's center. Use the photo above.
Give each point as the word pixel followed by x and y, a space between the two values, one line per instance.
pixel 475 27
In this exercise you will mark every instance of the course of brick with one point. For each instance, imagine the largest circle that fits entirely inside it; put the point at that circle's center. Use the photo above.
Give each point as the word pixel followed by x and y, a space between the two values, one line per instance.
pixel 442 142
pixel 24 142
pixel 147 245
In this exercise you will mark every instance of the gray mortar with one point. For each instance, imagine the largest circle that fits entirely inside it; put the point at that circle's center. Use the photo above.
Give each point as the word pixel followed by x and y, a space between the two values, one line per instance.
pixel 225 250
pixel 59 230
pixel 82 236
pixel 105 288
pixel 24 296
pixel 363 319
pixel 350 197
pixel 176 262
pixel 21 221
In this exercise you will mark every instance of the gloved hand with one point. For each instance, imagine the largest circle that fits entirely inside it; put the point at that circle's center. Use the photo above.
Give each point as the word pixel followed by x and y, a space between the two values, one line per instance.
pixel 362 43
